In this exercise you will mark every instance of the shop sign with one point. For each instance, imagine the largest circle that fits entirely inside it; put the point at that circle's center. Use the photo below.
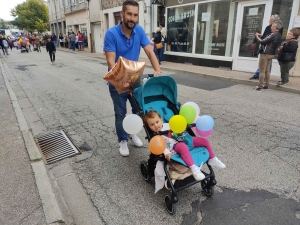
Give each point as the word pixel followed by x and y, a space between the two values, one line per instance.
pixel 181 16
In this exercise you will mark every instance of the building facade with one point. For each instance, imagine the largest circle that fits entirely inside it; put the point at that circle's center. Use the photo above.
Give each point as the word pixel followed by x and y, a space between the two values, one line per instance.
pixel 220 33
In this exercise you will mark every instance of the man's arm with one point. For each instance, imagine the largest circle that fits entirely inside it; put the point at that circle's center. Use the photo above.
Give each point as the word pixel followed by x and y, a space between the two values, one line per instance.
pixel 110 59
pixel 154 62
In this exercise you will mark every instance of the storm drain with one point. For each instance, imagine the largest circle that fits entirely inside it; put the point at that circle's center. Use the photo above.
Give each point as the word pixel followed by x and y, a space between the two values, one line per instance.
pixel 56 146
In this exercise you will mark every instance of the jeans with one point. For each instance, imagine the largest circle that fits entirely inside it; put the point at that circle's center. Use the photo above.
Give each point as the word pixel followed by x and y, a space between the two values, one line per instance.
pixel 119 101
pixel 52 56
pixel 55 43
pixel 73 45
pixel 158 53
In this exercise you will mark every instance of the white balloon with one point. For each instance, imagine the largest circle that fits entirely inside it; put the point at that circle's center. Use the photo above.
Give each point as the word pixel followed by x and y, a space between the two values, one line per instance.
pixel 132 124
pixel 195 106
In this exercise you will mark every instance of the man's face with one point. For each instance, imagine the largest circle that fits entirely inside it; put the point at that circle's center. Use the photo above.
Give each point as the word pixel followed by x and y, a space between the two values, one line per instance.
pixel 271 21
pixel 130 16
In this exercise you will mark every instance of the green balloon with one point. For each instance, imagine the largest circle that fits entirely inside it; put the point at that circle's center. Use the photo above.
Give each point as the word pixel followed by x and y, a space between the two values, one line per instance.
pixel 189 113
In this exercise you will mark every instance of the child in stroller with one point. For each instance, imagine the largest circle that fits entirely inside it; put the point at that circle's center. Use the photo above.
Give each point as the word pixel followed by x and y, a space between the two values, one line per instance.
pixel 155 123
pixel 160 94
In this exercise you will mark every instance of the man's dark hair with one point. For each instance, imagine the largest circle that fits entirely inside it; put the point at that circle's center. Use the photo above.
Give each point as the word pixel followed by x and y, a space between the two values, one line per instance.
pixel 129 2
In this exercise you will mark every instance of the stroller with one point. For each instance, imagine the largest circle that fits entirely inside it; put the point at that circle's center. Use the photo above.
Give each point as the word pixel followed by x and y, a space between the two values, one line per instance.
pixel 160 94
pixel 24 47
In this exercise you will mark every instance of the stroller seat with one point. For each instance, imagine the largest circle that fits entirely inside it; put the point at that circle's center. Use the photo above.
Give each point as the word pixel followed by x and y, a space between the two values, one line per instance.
pixel 200 155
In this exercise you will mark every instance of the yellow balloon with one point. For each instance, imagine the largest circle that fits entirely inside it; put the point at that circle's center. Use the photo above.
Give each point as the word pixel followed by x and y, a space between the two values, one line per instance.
pixel 177 124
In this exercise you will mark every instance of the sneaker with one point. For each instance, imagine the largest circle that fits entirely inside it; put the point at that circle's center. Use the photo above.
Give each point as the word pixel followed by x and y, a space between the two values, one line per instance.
pixel 136 141
pixel 51 63
pixel 281 83
pixel 265 87
pixel 123 149
pixel 257 88
pixel 216 162
pixel 198 175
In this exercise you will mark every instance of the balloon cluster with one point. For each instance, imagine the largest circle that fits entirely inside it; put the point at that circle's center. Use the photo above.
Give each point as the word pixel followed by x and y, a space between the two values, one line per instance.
pixel 188 114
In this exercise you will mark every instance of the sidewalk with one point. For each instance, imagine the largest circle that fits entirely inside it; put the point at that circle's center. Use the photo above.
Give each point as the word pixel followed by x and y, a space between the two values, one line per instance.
pixel 209 72
pixel 19 198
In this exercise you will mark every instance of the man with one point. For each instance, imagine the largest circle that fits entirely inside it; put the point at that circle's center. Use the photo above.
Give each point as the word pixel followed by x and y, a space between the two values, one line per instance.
pixel 79 40
pixel 37 43
pixel 126 39
pixel 163 32
pixel 273 19
pixel 72 40
pixel 54 39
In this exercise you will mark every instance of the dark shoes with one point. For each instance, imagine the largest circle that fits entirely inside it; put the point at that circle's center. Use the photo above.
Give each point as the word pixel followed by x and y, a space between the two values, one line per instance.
pixel 281 83
pixel 264 87
pixel 254 78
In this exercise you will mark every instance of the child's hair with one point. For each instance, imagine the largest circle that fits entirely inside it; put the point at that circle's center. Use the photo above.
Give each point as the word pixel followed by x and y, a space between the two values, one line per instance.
pixel 150 114
pixel 295 32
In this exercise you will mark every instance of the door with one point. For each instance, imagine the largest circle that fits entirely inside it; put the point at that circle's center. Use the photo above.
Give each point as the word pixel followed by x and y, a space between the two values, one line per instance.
pixel 98 38
pixel 255 17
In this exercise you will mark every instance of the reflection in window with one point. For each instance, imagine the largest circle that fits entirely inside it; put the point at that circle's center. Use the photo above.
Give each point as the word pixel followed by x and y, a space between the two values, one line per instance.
pixel 180 24
pixel 215 28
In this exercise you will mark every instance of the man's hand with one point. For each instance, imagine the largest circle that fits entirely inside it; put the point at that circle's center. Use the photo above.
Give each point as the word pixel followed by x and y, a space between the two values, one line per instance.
pixel 157 73
pixel 168 156
pixel 257 34
pixel 280 47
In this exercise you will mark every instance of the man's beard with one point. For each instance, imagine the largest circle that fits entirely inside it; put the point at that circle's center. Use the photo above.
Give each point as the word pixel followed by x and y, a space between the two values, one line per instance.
pixel 126 23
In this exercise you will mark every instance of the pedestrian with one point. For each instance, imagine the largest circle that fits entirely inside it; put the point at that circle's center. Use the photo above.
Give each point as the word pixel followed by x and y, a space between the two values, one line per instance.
pixel 72 40
pixel 270 44
pixel 163 41
pixel 76 42
pixel 10 44
pixel 79 40
pixel 157 42
pixel 54 39
pixel 152 42
pixel 37 43
pixel 154 121
pixel 61 40
pixel 50 47
pixel 287 55
pixel 5 46
pixel 125 39
pixel 273 19
pixel 1 44
pixel 66 41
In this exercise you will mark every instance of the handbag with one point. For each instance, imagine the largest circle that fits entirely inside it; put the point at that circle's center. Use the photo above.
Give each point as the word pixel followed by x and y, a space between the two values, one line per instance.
pixel 159 45
pixel 285 57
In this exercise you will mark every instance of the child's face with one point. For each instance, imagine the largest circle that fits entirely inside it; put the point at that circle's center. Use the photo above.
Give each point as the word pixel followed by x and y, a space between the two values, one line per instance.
pixel 155 123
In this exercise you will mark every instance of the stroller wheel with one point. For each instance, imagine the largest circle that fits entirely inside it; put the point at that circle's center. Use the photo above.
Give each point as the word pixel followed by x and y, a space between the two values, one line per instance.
pixel 169 206
pixel 207 188
pixel 144 171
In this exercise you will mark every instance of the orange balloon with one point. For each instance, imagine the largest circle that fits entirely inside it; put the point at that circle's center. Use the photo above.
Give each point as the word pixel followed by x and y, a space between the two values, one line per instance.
pixel 157 145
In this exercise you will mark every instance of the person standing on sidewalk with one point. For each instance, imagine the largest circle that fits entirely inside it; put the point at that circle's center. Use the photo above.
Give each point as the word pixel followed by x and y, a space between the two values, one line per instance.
pixel 72 40
pixel 54 39
pixel 163 41
pixel 50 47
pixel 125 39
pixel 287 55
pixel 270 43
pixel 5 46
pixel 79 40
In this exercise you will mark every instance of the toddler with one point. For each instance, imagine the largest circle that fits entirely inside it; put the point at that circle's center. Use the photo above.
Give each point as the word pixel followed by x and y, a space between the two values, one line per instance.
pixel 155 123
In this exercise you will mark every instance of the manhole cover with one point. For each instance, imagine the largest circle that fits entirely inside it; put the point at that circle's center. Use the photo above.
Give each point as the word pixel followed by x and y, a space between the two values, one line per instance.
pixel 56 146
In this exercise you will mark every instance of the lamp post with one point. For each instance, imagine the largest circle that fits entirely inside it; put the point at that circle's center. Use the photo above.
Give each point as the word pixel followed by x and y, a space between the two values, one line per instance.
pixel 89 27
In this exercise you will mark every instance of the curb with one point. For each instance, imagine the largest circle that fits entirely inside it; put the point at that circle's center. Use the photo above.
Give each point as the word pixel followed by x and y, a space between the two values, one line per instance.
pixel 208 76
pixel 50 206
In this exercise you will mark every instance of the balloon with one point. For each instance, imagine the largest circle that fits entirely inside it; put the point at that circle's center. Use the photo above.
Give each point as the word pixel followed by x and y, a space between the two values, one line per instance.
pixel 204 133
pixel 132 124
pixel 125 75
pixel 157 145
pixel 205 123
pixel 194 105
pixel 189 113
pixel 177 124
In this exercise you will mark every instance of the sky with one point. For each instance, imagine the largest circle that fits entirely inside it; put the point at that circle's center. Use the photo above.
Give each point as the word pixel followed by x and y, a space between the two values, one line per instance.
pixel 6 6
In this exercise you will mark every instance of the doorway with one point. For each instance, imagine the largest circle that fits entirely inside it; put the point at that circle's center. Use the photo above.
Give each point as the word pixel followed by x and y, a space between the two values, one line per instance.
pixel 255 17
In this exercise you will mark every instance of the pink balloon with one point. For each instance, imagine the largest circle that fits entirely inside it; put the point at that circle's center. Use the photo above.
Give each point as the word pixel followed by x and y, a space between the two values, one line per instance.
pixel 204 133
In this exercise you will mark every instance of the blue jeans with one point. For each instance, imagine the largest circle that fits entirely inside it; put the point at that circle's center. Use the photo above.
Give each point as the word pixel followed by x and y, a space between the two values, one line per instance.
pixel 162 50
pixel 119 101
pixel 55 43
pixel 73 45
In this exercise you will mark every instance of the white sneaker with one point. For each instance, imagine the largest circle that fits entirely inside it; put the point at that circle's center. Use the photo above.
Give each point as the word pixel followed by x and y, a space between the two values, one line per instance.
pixel 198 175
pixel 136 141
pixel 216 162
pixel 123 149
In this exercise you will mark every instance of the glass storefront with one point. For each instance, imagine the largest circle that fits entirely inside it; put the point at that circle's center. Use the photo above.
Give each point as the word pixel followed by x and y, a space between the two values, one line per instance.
pixel 180 26
pixel 214 31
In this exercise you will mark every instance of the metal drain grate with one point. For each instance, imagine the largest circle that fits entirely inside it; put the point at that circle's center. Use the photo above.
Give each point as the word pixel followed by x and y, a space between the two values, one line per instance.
pixel 56 146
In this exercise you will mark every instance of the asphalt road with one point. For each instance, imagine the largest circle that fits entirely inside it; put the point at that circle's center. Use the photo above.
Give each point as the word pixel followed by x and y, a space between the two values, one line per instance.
pixel 256 135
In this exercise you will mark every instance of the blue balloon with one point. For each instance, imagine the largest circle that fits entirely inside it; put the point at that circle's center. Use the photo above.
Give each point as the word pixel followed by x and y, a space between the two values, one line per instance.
pixel 205 123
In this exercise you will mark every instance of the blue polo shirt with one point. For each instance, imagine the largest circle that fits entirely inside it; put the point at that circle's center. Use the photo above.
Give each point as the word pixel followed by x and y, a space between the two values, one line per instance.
pixel 116 41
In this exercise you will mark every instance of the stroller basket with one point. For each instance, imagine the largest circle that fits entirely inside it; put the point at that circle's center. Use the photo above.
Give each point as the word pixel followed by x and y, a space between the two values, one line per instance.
pixel 160 94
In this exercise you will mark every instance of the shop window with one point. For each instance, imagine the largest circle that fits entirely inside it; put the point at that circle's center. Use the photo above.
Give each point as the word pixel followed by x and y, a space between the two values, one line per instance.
pixel 180 24
pixel 215 28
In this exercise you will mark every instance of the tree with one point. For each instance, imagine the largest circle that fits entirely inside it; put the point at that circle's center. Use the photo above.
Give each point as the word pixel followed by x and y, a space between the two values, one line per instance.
pixel 2 24
pixel 31 15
